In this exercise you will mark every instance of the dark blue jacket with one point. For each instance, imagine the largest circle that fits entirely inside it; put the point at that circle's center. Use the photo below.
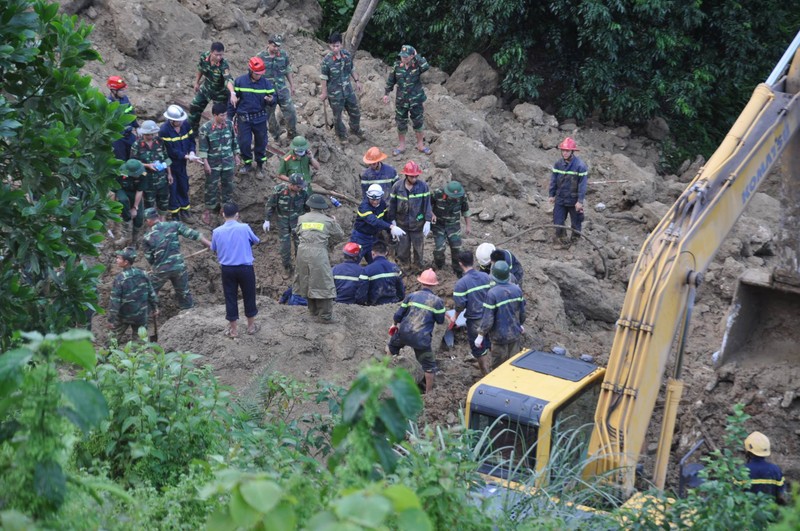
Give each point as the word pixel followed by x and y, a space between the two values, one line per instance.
pixel 129 133
pixel 251 97
pixel 386 176
pixel 765 477
pixel 178 143
pixel 514 266
pixel 470 293
pixel 346 277
pixel 381 283
pixel 417 316
pixel 503 314
pixel 371 221
pixel 291 299
pixel 568 181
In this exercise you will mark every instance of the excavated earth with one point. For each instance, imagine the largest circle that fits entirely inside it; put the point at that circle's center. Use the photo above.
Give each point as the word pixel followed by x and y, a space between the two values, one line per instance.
pixel 502 154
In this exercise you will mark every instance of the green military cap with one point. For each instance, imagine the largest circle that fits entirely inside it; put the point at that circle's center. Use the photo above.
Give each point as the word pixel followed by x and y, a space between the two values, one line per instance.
pixel 151 213
pixel 299 142
pixel 297 179
pixel 132 168
pixel 276 39
pixel 407 50
pixel 318 202
pixel 454 189
pixel 500 272
pixel 128 253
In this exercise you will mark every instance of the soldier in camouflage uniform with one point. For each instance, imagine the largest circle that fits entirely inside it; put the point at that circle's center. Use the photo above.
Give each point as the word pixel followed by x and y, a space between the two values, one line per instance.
pixel 130 194
pixel 163 251
pixel 217 86
pixel 219 151
pixel 150 151
pixel 287 202
pixel 279 71
pixel 406 74
pixel 132 297
pixel 449 204
pixel 336 71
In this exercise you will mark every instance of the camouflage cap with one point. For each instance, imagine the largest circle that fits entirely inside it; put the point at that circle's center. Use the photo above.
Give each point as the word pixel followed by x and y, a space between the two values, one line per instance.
pixel 276 39
pixel 128 253
pixel 407 51
pixel 151 213
pixel 297 179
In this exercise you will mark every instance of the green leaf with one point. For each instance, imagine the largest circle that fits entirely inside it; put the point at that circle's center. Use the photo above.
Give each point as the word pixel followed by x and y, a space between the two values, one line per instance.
pixel 393 419
pixel 11 364
pixel 368 511
pixel 80 352
pixel 402 497
pixel 220 521
pixel 261 494
pixel 354 399
pixel 242 513
pixel 281 518
pixel 90 404
pixel 386 456
pixel 406 393
pixel 49 481
pixel 414 520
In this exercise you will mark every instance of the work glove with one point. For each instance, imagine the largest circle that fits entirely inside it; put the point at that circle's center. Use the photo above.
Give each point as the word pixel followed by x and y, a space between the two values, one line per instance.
pixel 426 229
pixel 392 330
pixel 397 231
pixel 521 329
pixel 479 341
pixel 265 226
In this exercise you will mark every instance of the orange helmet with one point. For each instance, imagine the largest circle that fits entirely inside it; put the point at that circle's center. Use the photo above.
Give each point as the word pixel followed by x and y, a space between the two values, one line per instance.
pixel 428 277
pixel 116 83
pixel 374 155
pixel 256 64
pixel 411 168
pixel 568 145
pixel 351 249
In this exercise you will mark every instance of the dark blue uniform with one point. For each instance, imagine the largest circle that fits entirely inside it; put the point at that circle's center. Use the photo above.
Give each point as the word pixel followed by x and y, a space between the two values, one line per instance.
pixel 368 224
pixel 503 313
pixel 179 144
pixel 765 477
pixel 291 299
pixel 568 186
pixel 385 176
pixel 514 267
pixel 347 278
pixel 122 147
pixel 469 294
pixel 252 114
pixel 381 283
pixel 416 317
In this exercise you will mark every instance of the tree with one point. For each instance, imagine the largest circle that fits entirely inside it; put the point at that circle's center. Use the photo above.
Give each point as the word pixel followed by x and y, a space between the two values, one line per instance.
pixel 358 23
pixel 56 166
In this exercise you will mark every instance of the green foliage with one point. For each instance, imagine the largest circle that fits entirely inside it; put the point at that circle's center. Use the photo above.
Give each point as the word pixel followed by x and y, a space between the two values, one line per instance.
pixel 336 16
pixel 789 515
pixel 35 439
pixel 165 413
pixel 57 168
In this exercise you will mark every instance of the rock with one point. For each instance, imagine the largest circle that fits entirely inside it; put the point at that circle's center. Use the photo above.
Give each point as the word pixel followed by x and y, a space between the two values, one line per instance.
pixel 434 76
pixel 485 104
pixel 133 36
pixel 473 78
pixel 657 128
pixel 445 113
pixel 73 7
pixel 299 15
pixel 473 164
pixel 788 398
pixel 584 294
pixel 599 207
pixel 91 13
pixel 528 114
pixel 639 188
pixel 689 173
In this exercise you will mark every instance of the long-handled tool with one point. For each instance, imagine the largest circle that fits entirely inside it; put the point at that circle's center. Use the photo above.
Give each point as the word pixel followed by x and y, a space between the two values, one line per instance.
pixel 154 337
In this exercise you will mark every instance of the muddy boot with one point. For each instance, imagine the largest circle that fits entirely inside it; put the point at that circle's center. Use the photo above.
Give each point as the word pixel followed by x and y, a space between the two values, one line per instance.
pixel 135 236
pixel 123 230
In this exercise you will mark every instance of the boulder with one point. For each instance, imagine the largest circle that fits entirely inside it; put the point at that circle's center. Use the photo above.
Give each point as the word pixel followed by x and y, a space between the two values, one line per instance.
pixel 657 128
pixel 445 113
pixel 583 293
pixel 528 114
pixel 132 26
pixel 639 188
pixel 475 165
pixel 473 78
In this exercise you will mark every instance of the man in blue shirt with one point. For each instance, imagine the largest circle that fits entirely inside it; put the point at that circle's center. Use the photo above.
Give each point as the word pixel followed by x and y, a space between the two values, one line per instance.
pixel 568 190
pixel 179 139
pixel 377 172
pixel 256 101
pixel 503 316
pixel 346 275
pixel 371 221
pixel 233 241
pixel 469 294
pixel 765 477
pixel 381 280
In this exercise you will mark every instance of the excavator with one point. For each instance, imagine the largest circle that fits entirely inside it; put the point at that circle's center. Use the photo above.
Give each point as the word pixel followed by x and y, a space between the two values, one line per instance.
pixel 533 399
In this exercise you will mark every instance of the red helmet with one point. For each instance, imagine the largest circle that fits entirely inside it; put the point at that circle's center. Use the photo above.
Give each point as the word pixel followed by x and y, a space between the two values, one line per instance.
pixel 568 144
pixel 351 249
pixel 411 168
pixel 116 83
pixel 256 64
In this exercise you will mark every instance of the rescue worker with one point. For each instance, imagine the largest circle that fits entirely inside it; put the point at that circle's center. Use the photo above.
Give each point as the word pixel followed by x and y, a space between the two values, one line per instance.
pixel 150 151
pixel 217 83
pixel 449 205
pixel 407 75
pixel 219 151
pixel 130 194
pixel 300 160
pixel 162 249
pixel 371 221
pixel 765 477
pixel 287 202
pixel 279 71
pixel 469 294
pixel 413 325
pixel 179 139
pixel 132 297
pixel 503 316
pixel 568 189
pixel 346 275
pixel 377 172
pixel 336 70
pixel 313 278
pixel 487 254
pixel 410 209
pixel 256 102
pixel 381 280
pixel 122 147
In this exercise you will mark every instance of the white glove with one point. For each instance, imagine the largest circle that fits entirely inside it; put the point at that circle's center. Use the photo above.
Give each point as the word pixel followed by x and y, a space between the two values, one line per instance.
pixel 397 231
pixel 479 341
pixel 265 226
pixel 521 329
pixel 426 229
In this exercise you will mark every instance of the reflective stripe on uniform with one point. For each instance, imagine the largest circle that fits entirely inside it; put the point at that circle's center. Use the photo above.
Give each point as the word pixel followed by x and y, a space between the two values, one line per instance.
pixel 412 196
pixel 255 91
pixel 312 225
pixel 470 290
pixel 381 275
pixel 423 306
pixel 345 277
pixel 177 138
pixel 367 213
pixel 767 482
pixel 501 303
pixel 378 181
pixel 578 173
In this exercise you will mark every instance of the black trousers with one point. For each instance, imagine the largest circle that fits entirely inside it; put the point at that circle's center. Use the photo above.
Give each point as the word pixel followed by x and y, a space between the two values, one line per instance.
pixel 233 278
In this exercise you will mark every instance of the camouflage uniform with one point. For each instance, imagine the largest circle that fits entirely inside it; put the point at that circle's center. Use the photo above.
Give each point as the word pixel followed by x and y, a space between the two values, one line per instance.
pixel 287 208
pixel 156 185
pixel 341 94
pixel 215 79
pixel 218 145
pixel 132 298
pixel 410 95
pixel 277 69
pixel 163 251
pixel 447 229
pixel 126 194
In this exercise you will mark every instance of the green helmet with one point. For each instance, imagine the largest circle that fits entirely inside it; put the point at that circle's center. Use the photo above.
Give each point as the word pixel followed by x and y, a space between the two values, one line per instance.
pixel 132 168
pixel 299 142
pixel 500 272
pixel 454 189
pixel 128 253
pixel 317 202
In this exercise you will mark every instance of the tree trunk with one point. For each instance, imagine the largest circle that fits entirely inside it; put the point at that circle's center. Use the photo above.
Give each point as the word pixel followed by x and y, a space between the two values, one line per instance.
pixel 355 30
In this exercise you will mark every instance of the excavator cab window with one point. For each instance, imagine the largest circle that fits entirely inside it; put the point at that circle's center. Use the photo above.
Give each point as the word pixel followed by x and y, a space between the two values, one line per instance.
pixel 572 428
pixel 510 445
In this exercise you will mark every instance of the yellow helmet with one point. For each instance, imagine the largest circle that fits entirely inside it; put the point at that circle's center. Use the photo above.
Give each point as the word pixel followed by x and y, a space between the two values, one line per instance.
pixel 757 444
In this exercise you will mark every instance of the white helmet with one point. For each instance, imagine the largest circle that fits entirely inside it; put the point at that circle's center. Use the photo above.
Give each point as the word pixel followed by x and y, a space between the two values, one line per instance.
pixel 374 191
pixel 148 127
pixel 483 253
pixel 175 113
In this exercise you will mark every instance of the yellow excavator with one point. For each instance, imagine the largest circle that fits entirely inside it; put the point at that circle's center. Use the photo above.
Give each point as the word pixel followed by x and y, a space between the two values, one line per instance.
pixel 535 397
